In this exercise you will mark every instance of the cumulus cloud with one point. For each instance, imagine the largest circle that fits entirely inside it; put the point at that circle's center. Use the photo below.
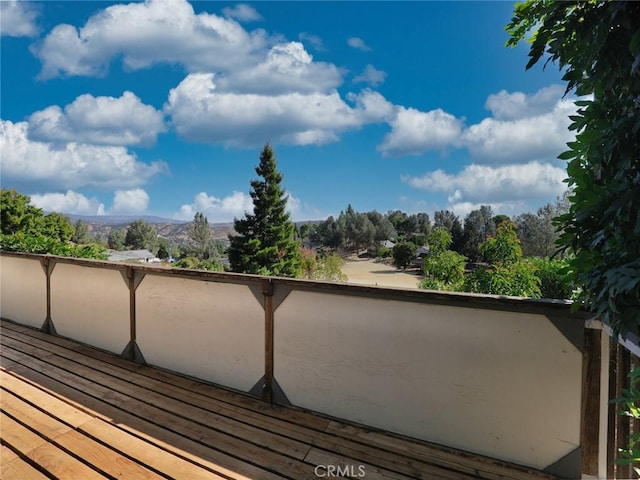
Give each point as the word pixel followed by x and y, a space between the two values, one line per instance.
pixel 144 34
pixel 68 202
pixel 202 113
pixel 69 166
pixel 217 209
pixel 511 106
pixel 488 184
pixel 413 132
pixel 524 137
pixel 523 128
pixel 242 12
pixel 287 67
pixel 17 19
pixel 130 201
pixel 371 75
pixel 358 43
pixel 98 120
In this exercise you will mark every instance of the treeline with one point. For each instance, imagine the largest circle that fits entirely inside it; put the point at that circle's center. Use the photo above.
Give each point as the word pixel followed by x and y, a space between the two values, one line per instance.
pixel 354 231
pixel 25 228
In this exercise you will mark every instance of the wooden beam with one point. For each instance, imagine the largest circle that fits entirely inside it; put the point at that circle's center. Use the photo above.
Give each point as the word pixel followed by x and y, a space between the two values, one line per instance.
pixel 611 414
pixel 622 422
pixel 590 428
pixel 267 291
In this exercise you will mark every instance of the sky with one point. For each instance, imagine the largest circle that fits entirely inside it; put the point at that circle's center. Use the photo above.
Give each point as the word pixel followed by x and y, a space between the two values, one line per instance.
pixel 162 107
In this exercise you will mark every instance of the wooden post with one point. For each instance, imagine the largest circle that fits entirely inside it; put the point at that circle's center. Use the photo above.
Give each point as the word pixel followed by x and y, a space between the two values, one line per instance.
pixel 131 276
pixel 611 413
pixel 267 291
pixel 590 428
pixel 622 422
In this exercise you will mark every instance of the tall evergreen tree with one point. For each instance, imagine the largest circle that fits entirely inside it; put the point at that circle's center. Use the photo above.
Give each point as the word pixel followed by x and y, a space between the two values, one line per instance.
pixel 265 243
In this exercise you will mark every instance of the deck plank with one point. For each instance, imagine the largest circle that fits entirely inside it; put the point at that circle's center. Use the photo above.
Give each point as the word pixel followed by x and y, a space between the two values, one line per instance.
pixel 49 457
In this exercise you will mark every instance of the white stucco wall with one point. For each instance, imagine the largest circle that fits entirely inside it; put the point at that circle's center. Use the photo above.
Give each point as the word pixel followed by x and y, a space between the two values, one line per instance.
pixel 502 384
pixel 213 331
pixel 23 290
pixel 91 305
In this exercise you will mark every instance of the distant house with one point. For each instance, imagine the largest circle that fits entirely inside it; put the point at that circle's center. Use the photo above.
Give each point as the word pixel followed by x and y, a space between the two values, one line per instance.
pixel 141 256
pixel 388 244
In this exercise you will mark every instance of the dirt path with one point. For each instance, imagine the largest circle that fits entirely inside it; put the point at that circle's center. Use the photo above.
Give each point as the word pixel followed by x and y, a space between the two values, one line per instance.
pixel 366 271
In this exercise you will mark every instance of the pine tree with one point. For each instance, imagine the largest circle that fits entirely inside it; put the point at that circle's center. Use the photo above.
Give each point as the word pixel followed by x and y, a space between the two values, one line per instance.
pixel 265 243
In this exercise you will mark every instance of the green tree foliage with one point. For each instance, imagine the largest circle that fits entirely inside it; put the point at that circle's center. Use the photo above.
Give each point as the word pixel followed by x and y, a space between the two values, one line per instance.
pixel 195 263
pixel 443 269
pixel 56 226
pixel 81 233
pixel 116 239
pixel 265 243
pixel 518 280
pixel 504 248
pixel 597 46
pixel 554 282
pixel 26 229
pixel 537 232
pixel 326 268
pixel 507 274
pixel 200 235
pixel 450 221
pixel 403 254
pixel 141 234
pixel 18 215
pixel 478 226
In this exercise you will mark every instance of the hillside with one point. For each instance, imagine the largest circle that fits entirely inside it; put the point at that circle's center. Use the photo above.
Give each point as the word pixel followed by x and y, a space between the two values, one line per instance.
pixel 173 230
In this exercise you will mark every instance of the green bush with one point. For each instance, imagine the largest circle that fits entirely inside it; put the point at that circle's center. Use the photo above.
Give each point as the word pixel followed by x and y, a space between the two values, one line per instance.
pixel 384 252
pixel 518 280
pixel 197 264
pixel 444 269
pixel 554 282
pixel 20 242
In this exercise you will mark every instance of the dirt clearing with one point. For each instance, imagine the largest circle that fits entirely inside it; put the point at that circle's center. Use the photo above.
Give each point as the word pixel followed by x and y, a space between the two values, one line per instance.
pixel 366 271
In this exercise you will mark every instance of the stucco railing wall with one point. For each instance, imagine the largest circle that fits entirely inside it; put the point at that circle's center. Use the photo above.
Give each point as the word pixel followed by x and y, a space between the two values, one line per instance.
pixel 23 290
pixel 501 377
pixel 503 384
pixel 210 330
pixel 91 305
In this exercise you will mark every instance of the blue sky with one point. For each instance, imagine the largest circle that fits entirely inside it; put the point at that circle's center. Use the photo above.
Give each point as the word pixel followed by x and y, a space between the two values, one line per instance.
pixel 162 107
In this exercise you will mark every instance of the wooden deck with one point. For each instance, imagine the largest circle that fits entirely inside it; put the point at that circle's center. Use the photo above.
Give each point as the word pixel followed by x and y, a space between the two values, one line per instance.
pixel 71 411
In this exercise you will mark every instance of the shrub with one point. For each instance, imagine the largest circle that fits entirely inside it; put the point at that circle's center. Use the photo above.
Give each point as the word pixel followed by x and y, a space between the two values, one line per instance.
pixel 554 282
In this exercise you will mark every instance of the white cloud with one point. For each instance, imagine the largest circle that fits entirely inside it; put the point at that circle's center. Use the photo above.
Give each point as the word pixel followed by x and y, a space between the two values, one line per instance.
pixel 69 166
pixel 201 113
pixel 130 201
pixel 287 67
pixel 98 120
pixel 511 106
pixel 144 34
pixel 371 75
pixel 217 209
pixel 17 19
pixel 358 43
pixel 524 128
pixel 525 138
pixel 242 13
pixel 487 184
pixel 413 132
pixel 69 202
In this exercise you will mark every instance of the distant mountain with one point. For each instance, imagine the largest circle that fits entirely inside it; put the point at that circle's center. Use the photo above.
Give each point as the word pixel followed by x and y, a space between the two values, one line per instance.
pixel 121 219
